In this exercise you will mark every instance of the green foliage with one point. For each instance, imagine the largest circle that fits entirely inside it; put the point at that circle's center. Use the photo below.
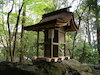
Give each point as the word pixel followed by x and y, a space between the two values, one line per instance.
pixel 2 2
pixel 3 30
pixel 13 18
pixel 39 8
pixel 90 55
pixel 50 7
pixel 69 42
pixel 30 44
pixel 1 27
pixel 3 53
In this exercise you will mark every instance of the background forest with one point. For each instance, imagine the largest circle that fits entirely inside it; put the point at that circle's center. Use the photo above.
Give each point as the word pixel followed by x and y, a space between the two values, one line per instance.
pixel 18 45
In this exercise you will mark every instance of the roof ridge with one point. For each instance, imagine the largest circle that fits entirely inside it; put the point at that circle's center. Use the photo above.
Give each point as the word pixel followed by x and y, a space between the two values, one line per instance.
pixel 57 12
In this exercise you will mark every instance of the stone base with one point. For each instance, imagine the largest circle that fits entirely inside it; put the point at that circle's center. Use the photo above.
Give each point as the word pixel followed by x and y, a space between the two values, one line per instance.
pixel 54 59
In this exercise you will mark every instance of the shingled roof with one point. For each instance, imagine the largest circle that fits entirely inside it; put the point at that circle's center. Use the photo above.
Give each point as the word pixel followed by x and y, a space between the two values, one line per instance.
pixel 56 19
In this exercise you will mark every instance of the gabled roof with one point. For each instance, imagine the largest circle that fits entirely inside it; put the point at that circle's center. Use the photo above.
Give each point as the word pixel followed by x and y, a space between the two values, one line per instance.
pixel 56 19
pixel 56 12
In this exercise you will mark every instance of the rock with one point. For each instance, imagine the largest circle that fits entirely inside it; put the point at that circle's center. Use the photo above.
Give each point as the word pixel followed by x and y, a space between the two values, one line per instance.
pixel 27 68
pixel 82 69
pixel 86 73
pixel 66 67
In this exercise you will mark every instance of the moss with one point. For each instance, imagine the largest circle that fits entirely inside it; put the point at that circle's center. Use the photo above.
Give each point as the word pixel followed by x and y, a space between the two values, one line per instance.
pixel 48 68
pixel 42 68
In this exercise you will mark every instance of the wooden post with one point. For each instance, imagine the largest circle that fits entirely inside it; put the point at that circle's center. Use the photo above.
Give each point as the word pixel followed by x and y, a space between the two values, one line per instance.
pixel 58 44
pixel 52 36
pixel 65 44
pixel 51 47
pixel 37 43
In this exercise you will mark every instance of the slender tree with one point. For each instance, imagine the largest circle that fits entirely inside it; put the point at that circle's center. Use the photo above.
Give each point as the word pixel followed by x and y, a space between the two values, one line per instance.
pixel 16 31
pixel 22 33
pixel 9 30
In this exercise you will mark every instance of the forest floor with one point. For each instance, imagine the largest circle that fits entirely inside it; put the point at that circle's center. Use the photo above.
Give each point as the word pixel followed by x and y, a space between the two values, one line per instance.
pixel 66 67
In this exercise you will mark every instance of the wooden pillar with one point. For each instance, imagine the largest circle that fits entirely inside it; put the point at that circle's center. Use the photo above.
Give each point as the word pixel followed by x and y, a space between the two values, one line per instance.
pixel 52 36
pixel 37 43
pixel 51 47
pixel 47 44
pixel 58 44
pixel 65 44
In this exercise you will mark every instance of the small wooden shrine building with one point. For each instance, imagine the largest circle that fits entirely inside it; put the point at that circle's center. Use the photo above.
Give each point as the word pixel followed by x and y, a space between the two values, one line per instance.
pixel 54 25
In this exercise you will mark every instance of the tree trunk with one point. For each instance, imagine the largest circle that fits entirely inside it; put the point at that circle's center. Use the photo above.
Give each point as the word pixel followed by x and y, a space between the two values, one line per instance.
pixel 10 47
pixel 98 29
pixel 75 38
pixel 81 59
pixel 98 36
pixel 6 47
pixel 22 35
pixel 98 42
pixel 88 29
pixel 16 31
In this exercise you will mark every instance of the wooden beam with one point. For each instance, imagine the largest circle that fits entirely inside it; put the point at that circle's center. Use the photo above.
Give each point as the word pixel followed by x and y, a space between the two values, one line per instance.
pixel 54 43
pixel 37 43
